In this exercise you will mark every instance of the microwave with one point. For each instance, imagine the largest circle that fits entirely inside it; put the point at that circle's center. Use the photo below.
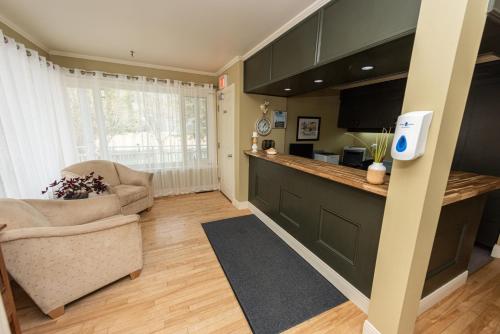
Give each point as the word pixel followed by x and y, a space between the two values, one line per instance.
pixel 354 156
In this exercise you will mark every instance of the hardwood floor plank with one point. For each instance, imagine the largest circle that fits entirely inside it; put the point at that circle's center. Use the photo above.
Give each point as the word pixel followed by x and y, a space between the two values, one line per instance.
pixel 183 289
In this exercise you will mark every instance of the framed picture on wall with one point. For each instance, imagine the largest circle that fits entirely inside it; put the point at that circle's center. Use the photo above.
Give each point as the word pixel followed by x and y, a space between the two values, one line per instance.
pixel 308 128
pixel 279 119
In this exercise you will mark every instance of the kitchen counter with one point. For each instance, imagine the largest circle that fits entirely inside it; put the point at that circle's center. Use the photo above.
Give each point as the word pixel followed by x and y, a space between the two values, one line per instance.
pixel 461 185
pixel 338 216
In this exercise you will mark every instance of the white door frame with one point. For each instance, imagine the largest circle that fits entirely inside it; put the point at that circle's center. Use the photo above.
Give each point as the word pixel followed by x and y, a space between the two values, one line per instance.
pixel 229 89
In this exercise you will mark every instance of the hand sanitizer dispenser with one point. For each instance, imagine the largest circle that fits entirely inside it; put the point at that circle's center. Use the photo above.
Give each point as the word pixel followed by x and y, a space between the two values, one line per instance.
pixel 410 136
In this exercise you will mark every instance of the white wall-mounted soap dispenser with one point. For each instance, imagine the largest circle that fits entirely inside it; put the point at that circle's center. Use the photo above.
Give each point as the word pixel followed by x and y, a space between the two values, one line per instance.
pixel 410 136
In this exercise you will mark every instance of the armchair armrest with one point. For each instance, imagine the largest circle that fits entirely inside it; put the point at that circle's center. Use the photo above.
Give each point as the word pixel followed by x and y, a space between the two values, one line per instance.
pixel 67 212
pixel 134 177
pixel 67 231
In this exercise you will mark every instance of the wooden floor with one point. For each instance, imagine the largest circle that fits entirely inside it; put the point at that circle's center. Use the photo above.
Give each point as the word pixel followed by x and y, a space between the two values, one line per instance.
pixel 183 289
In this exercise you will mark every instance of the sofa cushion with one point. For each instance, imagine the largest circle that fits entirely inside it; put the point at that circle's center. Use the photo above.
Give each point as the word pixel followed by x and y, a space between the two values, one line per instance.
pixel 128 194
pixel 18 214
pixel 104 168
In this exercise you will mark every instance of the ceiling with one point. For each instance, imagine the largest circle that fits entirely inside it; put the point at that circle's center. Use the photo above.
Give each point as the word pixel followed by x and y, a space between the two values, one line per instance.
pixel 200 35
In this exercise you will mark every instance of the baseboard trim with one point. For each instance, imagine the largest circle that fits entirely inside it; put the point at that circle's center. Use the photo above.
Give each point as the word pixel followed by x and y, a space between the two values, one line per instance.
pixel 438 295
pixel 368 328
pixel 240 205
pixel 428 301
pixel 353 294
pixel 496 251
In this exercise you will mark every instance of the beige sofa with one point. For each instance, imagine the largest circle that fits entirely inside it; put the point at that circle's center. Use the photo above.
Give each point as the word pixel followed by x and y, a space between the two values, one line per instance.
pixel 59 251
pixel 134 188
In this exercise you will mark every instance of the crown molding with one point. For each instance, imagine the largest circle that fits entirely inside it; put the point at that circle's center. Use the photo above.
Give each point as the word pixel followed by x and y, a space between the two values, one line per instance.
pixel 287 26
pixel 42 46
pixel 128 62
pixel 228 65
pixel 284 28
pixel 23 33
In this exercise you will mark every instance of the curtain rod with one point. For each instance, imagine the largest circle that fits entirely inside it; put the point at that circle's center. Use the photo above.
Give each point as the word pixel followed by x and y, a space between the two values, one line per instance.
pixel 135 77
pixel 28 52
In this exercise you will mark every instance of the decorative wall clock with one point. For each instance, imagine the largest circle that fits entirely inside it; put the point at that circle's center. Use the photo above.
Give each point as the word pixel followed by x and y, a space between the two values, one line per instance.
pixel 263 125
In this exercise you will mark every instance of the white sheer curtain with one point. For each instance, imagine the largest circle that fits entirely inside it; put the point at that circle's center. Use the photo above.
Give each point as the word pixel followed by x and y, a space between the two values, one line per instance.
pixel 161 126
pixel 35 138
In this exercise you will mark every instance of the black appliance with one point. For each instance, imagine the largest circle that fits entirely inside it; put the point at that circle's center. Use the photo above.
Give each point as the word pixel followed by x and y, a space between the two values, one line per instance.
pixel 267 144
pixel 355 157
pixel 302 150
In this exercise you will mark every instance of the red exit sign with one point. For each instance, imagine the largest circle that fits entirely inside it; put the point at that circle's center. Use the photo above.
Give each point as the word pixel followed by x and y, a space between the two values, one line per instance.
pixel 223 81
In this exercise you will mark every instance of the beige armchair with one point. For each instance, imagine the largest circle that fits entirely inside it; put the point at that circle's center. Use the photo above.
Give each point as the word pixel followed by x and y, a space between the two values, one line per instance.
pixel 134 188
pixel 59 251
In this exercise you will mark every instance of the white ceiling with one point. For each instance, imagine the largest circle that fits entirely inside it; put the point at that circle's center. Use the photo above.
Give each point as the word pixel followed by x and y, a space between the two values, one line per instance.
pixel 200 35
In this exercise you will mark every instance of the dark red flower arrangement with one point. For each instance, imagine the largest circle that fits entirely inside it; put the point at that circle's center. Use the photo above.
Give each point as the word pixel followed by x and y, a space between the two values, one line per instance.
pixel 77 187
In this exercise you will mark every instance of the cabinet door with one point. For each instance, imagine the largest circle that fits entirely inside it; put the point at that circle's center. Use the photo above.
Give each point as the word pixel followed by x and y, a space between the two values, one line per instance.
pixel 258 69
pixel 296 208
pixel 296 50
pixel 371 107
pixel 351 110
pixel 264 186
pixel 453 243
pixel 346 231
pixel 349 26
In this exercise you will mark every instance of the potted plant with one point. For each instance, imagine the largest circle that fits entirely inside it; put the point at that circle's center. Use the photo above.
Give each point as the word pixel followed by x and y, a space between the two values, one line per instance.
pixel 77 187
pixel 376 171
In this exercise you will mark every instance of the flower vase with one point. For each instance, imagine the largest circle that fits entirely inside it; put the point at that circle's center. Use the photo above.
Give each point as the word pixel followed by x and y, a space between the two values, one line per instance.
pixel 376 173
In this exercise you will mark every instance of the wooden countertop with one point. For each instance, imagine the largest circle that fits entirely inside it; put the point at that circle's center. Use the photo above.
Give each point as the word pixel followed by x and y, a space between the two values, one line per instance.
pixel 461 185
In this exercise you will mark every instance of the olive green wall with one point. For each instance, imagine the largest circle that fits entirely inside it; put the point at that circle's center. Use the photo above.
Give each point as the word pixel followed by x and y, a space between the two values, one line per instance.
pixel 331 138
pixel 325 105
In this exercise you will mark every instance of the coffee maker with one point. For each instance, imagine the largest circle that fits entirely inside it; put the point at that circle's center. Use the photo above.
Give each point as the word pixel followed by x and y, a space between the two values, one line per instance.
pixel 267 144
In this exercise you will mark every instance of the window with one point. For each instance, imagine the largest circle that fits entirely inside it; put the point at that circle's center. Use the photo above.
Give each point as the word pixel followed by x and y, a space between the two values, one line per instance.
pixel 140 129
pixel 152 126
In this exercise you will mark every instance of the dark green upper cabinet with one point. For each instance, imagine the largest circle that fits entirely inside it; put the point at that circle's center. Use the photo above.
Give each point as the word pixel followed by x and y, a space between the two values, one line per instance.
pixel 331 46
pixel 295 51
pixel 350 26
pixel 258 69
pixel 371 108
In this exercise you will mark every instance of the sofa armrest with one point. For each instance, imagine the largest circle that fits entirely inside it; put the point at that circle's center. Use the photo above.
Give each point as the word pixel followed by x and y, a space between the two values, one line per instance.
pixel 69 175
pixel 56 265
pixel 66 231
pixel 75 212
pixel 134 177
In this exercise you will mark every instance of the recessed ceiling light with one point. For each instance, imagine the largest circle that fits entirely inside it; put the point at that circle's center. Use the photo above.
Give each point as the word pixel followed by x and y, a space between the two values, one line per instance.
pixel 288 89
pixel 318 81
pixel 367 68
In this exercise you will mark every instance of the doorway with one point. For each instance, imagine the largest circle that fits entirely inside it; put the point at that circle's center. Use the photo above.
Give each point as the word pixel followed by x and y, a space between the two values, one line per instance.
pixel 225 140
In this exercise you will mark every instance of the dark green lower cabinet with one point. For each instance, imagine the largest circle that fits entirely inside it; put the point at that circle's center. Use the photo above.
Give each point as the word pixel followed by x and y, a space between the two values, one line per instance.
pixel 341 224
pixel 455 236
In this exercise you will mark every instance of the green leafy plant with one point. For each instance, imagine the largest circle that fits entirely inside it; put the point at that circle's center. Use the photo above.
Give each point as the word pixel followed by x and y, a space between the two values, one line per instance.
pixel 379 149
